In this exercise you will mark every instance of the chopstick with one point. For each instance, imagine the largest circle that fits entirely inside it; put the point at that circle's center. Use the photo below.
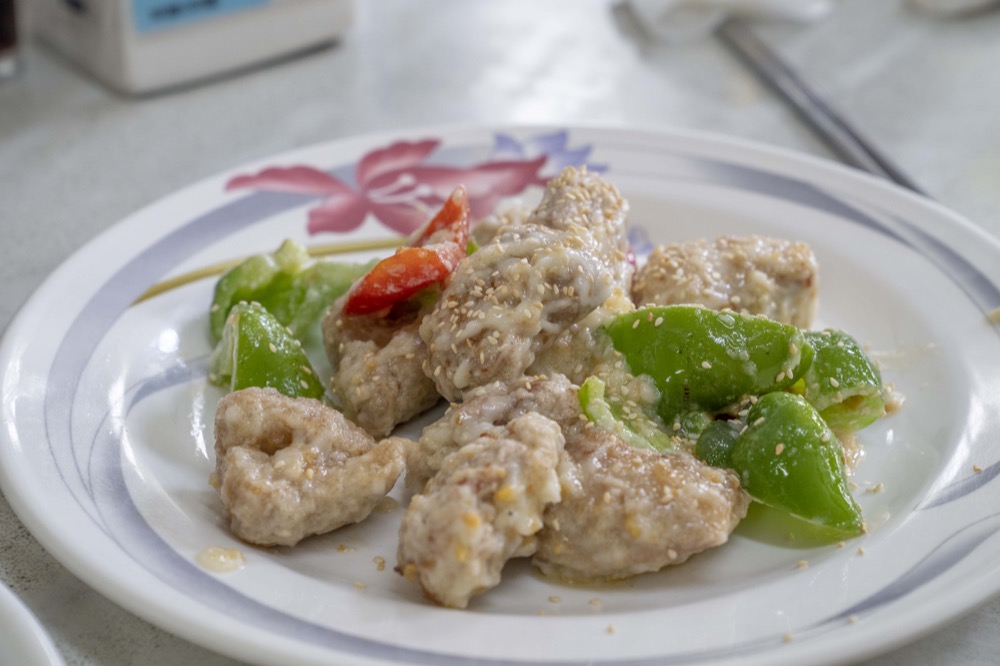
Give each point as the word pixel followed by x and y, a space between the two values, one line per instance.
pixel 827 123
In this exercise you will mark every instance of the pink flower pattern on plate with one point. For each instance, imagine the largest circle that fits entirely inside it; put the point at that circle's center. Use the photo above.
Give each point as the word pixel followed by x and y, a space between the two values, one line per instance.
pixel 396 186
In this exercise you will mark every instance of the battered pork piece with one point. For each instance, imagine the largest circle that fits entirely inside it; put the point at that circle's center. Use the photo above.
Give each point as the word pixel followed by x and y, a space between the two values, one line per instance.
pixel 485 412
pixel 582 349
pixel 775 278
pixel 289 468
pixel 480 510
pixel 378 377
pixel 626 511
pixel 512 297
pixel 485 229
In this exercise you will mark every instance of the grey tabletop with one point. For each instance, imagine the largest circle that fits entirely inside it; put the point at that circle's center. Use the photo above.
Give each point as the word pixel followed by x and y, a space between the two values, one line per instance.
pixel 76 158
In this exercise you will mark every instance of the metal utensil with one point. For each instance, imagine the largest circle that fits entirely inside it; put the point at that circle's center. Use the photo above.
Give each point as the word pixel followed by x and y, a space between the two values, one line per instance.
pixel 829 125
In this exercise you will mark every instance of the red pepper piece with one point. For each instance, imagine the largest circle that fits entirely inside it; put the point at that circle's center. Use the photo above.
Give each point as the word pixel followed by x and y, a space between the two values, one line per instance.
pixel 417 266
pixel 453 217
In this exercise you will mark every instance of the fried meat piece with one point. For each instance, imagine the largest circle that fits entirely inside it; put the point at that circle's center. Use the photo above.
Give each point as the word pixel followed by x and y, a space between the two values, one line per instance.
pixel 378 377
pixel 287 468
pixel 582 349
pixel 481 509
pixel 772 277
pixel 485 229
pixel 626 511
pixel 513 296
pixel 485 412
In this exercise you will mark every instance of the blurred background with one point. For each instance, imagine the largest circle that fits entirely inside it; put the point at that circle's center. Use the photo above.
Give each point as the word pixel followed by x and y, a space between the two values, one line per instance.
pixel 108 105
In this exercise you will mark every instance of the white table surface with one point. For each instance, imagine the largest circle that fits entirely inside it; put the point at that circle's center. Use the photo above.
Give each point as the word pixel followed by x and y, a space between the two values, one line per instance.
pixel 76 158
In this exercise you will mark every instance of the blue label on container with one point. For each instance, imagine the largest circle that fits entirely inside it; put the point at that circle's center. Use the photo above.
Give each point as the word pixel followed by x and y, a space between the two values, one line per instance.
pixel 152 15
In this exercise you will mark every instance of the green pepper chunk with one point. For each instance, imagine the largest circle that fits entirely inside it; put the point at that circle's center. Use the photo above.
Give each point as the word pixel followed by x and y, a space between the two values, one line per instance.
pixel 789 459
pixel 704 360
pixel 843 383
pixel 257 350
pixel 636 427
pixel 300 301
pixel 716 441
pixel 287 283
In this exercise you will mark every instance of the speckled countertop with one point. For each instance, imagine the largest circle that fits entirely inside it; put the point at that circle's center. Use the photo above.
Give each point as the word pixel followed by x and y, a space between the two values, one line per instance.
pixel 76 158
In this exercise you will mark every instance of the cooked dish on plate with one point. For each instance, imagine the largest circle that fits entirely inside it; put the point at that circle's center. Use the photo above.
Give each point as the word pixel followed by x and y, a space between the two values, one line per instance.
pixel 607 415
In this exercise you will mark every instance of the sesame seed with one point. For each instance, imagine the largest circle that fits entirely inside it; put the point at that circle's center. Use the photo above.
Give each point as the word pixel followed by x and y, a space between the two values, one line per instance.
pixel 554 599
pixel 379 562
pixel 833 382
pixel 611 629
pixel 779 448
pixel 802 564
pixel 303 383
pixel 861 551
pixel 706 365
pixel 852 619
pixel 360 585
pixel 977 469
pixel 758 422
pixel 780 377
pixel 659 321
pixel 635 324
pixel 270 345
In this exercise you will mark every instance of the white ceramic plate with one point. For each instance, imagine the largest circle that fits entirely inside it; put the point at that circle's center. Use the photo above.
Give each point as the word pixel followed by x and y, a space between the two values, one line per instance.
pixel 22 639
pixel 107 445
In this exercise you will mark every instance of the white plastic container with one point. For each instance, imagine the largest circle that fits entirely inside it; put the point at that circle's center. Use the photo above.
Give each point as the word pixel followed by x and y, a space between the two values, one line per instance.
pixel 141 46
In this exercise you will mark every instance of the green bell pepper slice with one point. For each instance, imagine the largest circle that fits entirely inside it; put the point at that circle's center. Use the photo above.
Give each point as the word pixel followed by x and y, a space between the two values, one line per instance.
pixel 843 383
pixel 292 287
pixel 257 350
pixel 789 459
pixel 716 441
pixel 705 360
pixel 633 424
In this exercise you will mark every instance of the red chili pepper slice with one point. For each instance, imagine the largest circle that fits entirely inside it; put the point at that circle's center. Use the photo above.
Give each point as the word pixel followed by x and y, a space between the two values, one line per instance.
pixel 453 217
pixel 430 258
